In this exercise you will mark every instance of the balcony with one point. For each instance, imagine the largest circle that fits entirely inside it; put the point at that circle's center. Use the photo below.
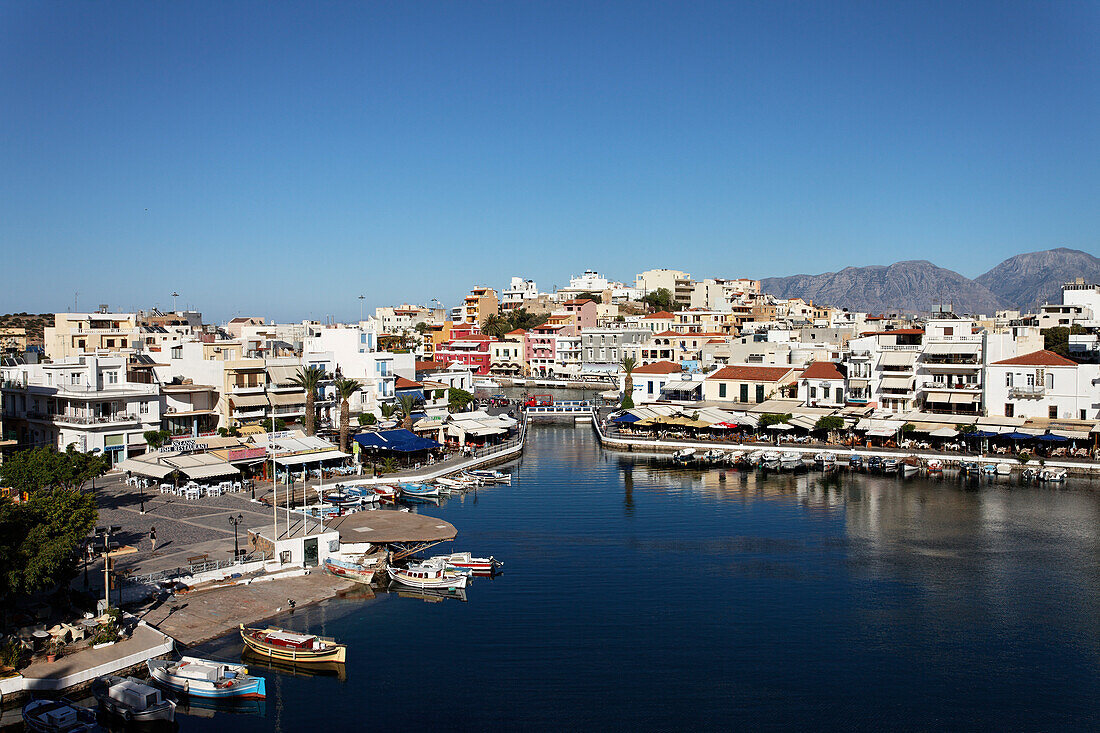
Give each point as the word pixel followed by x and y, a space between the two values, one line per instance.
pixel 248 388
pixel 116 419
pixel 1027 392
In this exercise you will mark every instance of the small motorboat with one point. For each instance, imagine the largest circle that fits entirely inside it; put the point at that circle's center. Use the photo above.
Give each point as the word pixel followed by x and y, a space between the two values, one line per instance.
pixel 132 700
pixel 771 460
pixel 890 464
pixel 789 461
pixel 59 716
pixel 491 476
pixel 340 498
pixel 969 468
pixel 419 490
pixel 874 463
pixel 713 456
pixel 1004 469
pixel 735 457
pixel 427 574
pixel 825 461
pixel 755 458
pixel 808 460
pixel 934 465
pixel 684 455
pixel 989 469
pixel 910 466
pixel 385 491
pixel 365 493
pixel 466 561
pixel 855 462
pixel 457 483
pixel 1030 474
pixel 206 678
pixel 292 646
pixel 1052 475
pixel 362 571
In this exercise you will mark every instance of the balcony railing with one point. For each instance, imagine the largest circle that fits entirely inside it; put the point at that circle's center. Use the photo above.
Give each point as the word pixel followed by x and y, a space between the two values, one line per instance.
pixel 1027 391
pixel 95 419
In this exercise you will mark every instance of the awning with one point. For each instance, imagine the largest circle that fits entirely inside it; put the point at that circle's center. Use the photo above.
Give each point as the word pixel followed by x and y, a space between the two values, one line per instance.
pixel 881 433
pixel 252 430
pixel 781 426
pixel 905 383
pixel 803 421
pixel 945 349
pixel 963 398
pixel 937 395
pixel 626 417
pixel 944 433
pixel 681 386
pixel 403 441
pixel 288 398
pixel 211 470
pixel 300 458
pixel 248 400
pixel 282 374
pixel 857 383
pixel 144 468
pixel 898 358
pixel 1071 434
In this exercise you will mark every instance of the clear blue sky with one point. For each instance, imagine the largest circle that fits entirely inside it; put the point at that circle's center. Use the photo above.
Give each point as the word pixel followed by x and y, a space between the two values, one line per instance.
pixel 280 159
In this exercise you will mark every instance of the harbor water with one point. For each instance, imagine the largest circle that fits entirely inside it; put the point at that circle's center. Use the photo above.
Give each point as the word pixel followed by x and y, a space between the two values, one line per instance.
pixel 641 596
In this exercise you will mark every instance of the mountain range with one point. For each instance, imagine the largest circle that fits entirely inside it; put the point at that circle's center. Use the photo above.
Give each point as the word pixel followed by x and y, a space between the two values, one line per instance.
pixel 1023 282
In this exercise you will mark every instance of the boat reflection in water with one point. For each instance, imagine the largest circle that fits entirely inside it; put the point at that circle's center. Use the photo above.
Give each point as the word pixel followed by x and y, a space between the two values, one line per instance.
pixel 430 595
pixel 312 669
pixel 202 707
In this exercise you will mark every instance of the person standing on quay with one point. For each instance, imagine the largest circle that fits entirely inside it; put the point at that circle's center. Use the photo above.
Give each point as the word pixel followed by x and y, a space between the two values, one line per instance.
pixel 153 538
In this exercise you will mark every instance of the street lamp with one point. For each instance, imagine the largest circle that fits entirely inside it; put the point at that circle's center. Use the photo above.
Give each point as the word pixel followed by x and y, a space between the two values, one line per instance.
pixel 235 521
pixel 141 490
pixel 361 308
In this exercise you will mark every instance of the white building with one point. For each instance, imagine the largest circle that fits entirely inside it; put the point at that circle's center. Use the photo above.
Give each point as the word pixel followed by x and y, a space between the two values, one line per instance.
pixel 518 293
pixel 1043 384
pixel 351 352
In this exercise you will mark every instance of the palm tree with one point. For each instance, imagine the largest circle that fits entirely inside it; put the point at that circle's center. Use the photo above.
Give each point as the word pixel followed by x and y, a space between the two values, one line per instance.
pixel 308 379
pixel 628 365
pixel 495 325
pixel 408 404
pixel 345 388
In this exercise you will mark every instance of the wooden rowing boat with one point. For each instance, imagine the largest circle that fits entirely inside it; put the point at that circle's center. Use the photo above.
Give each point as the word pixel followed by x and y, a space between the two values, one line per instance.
pixel 291 646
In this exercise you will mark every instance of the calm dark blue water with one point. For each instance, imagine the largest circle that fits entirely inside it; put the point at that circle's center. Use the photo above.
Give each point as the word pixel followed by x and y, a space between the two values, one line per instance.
pixel 637 596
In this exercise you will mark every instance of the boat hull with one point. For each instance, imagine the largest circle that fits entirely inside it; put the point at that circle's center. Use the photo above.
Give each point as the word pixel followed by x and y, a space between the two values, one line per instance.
pixel 357 573
pixel 335 653
pixel 458 581
pixel 252 689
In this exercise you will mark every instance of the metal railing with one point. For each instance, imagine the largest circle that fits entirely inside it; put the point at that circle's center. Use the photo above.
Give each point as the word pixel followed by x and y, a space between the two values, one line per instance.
pixel 197 567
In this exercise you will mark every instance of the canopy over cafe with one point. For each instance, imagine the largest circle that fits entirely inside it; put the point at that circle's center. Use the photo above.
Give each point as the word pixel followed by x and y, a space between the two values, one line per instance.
pixel 296 452
pixel 198 459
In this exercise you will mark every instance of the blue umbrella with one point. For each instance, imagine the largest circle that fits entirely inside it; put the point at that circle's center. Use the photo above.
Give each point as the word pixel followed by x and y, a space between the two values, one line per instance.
pixel 981 434
pixel 1052 438
pixel 1017 436
pixel 628 417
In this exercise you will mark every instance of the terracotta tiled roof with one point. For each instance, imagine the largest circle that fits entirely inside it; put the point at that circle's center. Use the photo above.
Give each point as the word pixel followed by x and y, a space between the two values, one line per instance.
pixel 897 331
pixel 658 367
pixel 821 370
pixel 517 332
pixel 430 366
pixel 665 315
pixel 1038 358
pixel 752 373
pixel 402 383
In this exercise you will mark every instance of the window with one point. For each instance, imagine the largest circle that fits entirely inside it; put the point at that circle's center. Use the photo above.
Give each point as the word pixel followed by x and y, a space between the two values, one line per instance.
pixel 144 408
pixel 49 378
pixel 1030 380
pixel 948 330
pixel 744 393
pixel 74 378
pixel 649 387
pixel 1010 409
pixel 112 377
pixel 110 343
pixel 824 392
pixel 1050 381
pixel 722 390
pixel 813 393
pixel 759 393
pixel 1052 411
pixel 1008 379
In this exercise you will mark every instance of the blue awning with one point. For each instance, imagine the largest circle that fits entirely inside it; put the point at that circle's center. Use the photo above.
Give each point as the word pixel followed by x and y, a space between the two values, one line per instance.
pixel 980 434
pixel 1052 438
pixel 626 417
pixel 403 441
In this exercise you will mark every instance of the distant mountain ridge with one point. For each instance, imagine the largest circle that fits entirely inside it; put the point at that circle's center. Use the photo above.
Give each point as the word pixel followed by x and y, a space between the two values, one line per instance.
pixel 1021 282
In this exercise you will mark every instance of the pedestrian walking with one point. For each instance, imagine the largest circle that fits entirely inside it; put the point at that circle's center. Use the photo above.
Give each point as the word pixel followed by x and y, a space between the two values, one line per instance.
pixel 153 538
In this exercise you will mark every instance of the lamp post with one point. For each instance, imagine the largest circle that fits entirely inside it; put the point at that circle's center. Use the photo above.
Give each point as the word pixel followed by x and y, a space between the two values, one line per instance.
pixel 141 490
pixel 235 521
pixel 361 308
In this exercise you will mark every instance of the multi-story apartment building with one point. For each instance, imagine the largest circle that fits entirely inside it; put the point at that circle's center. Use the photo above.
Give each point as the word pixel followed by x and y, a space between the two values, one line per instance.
pixel 881 368
pixel 352 352
pixel 821 384
pixel 479 305
pixel 603 349
pixel 519 294
pixel 85 401
pixel 506 355
pixel 13 339
pixel 750 384
pixel 541 346
pixel 677 283
pixel 1042 384
pixel 467 348
pixel 74 334
pixel 949 370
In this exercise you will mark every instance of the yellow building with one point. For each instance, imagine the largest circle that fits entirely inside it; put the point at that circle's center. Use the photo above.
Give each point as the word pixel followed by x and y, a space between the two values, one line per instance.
pixel 74 334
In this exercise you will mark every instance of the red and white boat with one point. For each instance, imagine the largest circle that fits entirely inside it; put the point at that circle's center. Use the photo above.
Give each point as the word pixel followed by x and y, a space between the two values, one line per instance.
pixel 386 491
pixel 466 561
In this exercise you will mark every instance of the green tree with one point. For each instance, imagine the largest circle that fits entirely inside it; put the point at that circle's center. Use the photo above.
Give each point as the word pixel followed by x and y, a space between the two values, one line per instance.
pixel 408 404
pixel 1057 339
pixel 345 389
pixel 773 418
pixel 628 365
pixel 308 378
pixel 829 423
pixel 39 469
pixel 495 325
pixel 155 439
pixel 458 399
pixel 39 539
pixel 589 296
pixel 280 425
pixel 520 318
pixel 661 300
pixel 387 410
pixel 967 429
pixel 367 418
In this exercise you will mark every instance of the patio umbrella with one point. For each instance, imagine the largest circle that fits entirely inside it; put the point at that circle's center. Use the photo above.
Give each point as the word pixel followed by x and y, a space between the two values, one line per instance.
pixel 1052 438
pixel 980 434
pixel 626 417
pixel 1016 435
pixel 725 426
pixel 781 426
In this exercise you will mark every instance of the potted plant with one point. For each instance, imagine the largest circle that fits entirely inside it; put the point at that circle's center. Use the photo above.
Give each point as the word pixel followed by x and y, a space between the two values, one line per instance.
pixel 54 649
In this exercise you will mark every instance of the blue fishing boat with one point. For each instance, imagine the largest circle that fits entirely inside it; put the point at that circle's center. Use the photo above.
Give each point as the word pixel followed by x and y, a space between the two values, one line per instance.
pixel 855 462
pixel 419 490
pixel 206 678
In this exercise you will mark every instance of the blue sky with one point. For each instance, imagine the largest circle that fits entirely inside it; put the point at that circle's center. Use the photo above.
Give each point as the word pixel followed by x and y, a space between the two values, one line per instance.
pixel 281 159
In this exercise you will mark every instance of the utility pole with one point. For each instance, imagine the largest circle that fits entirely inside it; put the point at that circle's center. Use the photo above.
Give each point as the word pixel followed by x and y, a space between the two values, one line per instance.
pixel 361 308
pixel 174 296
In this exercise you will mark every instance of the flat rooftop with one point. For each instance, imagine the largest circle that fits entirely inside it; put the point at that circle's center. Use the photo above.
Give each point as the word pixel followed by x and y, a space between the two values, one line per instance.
pixel 378 526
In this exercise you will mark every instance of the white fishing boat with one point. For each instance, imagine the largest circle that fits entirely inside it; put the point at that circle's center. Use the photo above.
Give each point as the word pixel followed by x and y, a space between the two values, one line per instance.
pixel 132 700
pixel 789 460
pixel 206 678
pixel 755 458
pixel 486 384
pixel 1052 475
pixel 934 465
pixel 825 460
pixel 890 464
pixel 466 561
pixel 684 455
pixel 910 466
pixel 713 455
pixel 427 574
pixel 491 476
pixel 59 716
pixel 1004 469
pixel 771 459
pixel 735 457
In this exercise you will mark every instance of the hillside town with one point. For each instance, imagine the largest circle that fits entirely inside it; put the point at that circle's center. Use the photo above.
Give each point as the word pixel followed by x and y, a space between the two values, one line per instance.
pixel 121 384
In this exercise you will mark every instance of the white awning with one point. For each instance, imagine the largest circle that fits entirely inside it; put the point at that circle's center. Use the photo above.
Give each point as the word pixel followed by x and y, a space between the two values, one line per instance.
pixel 963 398
pixel 682 385
pixel 288 398
pixel 803 421
pixel 299 459
pixel 144 468
pixel 896 383
pixel 944 433
pixel 211 470
pixel 282 374
pixel 781 426
pixel 898 358
pixel 857 383
pixel 959 348
pixel 881 432
pixel 937 395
